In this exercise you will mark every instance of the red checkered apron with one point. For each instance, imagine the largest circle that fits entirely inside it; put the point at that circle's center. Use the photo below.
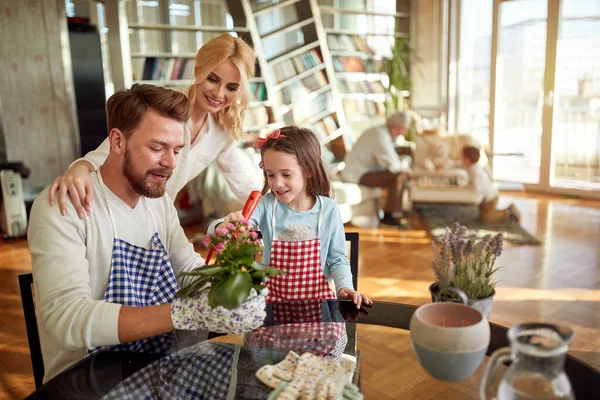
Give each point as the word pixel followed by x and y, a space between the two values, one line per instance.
pixel 299 325
pixel 304 278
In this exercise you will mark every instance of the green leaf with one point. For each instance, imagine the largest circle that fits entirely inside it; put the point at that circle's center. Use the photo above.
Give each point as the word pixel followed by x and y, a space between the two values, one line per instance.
pixel 193 287
pixel 247 249
pixel 246 261
pixel 232 291
pixel 270 271
pixel 205 271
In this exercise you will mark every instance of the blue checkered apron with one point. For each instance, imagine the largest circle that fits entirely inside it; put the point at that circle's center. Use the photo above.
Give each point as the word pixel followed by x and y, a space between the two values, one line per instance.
pixel 205 371
pixel 140 277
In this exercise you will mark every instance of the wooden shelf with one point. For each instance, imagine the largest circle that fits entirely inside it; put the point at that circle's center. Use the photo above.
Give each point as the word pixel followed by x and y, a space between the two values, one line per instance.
pixel 176 82
pixel 319 116
pixel 288 28
pixel 333 10
pixel 376 97
pixel 191 28
pixel 364 117
pixel 354 33
pixel 163 55
pixel 294 52
pixel 255 128
pixel 299 77
pixel 264 103
pixel 369 76
pixel 273 7
pixel 311 96
pixel 355 53
pixel 333 136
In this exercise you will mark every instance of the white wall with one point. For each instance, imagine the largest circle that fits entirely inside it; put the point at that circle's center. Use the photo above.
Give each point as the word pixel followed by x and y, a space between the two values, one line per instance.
pixel 36 88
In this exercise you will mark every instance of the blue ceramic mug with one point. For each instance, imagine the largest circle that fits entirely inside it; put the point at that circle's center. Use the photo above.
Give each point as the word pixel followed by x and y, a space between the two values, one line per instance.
pixel 449 339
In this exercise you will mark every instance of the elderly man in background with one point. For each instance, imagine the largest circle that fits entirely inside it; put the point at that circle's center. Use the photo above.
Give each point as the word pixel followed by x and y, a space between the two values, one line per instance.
pixel 374 162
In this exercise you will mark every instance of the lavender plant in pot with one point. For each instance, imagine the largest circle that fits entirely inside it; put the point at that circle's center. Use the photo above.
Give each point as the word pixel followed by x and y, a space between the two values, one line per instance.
pixel 468 265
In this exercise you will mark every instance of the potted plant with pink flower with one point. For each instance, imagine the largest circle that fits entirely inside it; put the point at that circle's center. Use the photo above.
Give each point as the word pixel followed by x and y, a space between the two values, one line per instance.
pixel 466 266
pixel 235 271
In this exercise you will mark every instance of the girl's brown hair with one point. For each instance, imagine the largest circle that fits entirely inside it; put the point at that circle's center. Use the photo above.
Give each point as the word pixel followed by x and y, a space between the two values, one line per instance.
pixel 303 144
pixel 214 52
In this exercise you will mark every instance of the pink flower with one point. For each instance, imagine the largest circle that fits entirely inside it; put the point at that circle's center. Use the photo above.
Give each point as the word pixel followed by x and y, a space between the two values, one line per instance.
pixel 206 241
pixel 244 221
pixel 230 226
pixel 222 231
pixel 254 235
pixel 219 247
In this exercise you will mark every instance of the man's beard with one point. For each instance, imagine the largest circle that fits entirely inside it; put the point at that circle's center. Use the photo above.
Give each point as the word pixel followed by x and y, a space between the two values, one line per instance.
pixel 138 181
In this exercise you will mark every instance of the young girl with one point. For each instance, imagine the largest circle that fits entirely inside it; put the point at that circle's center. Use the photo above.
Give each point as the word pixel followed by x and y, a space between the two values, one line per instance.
pixel 301 225
pixel 218 98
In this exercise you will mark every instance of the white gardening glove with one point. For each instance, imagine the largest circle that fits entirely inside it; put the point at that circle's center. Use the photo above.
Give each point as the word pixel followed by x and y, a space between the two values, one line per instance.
pixel 316 378
pixel 194 313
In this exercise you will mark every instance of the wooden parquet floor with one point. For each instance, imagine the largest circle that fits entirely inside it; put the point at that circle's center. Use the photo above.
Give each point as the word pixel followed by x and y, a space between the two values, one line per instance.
pixel 558 281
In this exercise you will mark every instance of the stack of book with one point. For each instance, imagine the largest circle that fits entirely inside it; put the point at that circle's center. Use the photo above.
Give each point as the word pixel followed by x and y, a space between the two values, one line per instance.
pixel 258 91
pixel 325 127
pixel 257 116
pixel 348 42
pixel 296 90
pixel 361 108
pixel 302 112
pixel 296 65
pixel 357 64
pixel 166 69
pixel 346 86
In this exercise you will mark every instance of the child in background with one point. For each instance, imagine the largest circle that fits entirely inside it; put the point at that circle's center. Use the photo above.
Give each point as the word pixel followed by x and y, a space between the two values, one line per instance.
pixel 301 225
pixel 480 180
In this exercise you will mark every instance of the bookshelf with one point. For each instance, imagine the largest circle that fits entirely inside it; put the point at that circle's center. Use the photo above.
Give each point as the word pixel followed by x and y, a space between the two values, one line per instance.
pixel 319 69
pixel 360 41
pixel 299 75
pixel 164 40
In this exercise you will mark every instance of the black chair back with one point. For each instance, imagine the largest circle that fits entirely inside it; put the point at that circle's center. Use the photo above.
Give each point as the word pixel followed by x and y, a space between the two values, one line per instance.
pixel 353 237
pixel 35 350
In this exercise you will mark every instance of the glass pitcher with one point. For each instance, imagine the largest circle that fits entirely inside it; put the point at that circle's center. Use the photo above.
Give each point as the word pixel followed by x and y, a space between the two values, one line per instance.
pixel 538 352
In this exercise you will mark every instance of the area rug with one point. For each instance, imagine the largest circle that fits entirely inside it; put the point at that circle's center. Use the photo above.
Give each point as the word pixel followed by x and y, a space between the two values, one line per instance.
pixel 439 216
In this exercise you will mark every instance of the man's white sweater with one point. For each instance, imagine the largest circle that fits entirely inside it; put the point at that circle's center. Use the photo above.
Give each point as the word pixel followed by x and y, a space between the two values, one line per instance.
pixel 71 261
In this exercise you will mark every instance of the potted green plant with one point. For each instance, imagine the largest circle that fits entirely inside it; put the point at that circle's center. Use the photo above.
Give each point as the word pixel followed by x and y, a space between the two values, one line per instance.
pixel 400 81
pixel 235 271
pixel 467 265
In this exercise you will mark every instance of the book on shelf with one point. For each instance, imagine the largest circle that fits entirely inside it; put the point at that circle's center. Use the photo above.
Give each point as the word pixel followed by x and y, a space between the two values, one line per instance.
pixel 324 127
pixel 258 91
pixel 289 68
pixel 342 42
pixel 359 108
pixel 347 86
pixel 257 116
pixel 165 68
pixel 357 64
pixel 297 90
pixel 303 112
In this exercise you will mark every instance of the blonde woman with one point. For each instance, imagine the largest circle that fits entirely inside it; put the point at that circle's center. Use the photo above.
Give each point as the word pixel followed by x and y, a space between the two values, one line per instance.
pixel 218 97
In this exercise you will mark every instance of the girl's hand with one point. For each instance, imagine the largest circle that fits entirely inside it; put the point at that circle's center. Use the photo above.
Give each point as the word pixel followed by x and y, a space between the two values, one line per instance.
pixel 234 216
pixel 78 183
pixel 357 298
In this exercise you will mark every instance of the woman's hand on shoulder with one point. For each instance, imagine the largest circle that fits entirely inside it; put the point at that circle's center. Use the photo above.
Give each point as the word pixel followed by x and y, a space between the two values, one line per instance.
pixel 77 182
pixel 357 298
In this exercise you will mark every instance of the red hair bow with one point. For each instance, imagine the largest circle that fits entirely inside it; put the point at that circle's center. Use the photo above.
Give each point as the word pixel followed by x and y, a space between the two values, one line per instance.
pixel 276 134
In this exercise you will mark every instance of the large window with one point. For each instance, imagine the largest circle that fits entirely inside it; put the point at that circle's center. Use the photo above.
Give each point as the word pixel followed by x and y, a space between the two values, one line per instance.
pixel 546 81
pixel 473 113
pixel 576 127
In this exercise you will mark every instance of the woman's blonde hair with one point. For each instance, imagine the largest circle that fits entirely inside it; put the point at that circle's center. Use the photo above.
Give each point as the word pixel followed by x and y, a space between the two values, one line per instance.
pixel 212 53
